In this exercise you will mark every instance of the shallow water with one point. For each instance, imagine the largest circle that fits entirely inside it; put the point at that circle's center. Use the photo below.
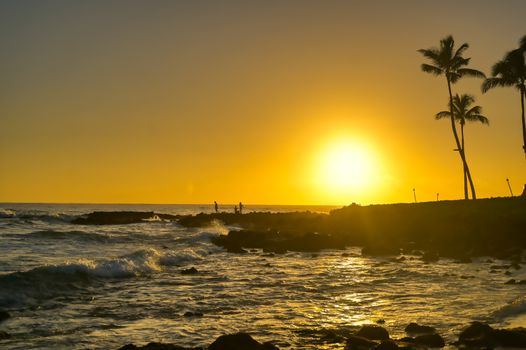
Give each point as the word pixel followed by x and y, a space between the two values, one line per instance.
pixel 100 287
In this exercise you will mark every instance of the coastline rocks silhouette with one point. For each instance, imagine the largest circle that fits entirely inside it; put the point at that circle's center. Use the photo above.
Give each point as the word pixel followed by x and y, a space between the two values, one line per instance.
pixel 156 346
pixel 4 315
pixel 239 341
pixel 416 329
pixel 120 217
pixel 191 271
pixel 373 332
pixel 481 335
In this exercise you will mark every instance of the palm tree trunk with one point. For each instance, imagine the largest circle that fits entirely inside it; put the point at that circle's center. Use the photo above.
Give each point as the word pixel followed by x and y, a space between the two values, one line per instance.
pixel 523 93
pixel 457 141
pixel 466 194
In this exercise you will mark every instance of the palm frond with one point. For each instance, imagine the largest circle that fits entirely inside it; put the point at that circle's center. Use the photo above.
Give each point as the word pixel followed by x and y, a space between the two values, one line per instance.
pixel 461 50
pixel 482 119
pixel 442 115
pixel 431 69
pixel 494 82
pixel 468 72
pixel 432 54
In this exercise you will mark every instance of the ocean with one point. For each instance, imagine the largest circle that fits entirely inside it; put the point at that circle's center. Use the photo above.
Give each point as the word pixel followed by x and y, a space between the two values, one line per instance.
pixel 100 287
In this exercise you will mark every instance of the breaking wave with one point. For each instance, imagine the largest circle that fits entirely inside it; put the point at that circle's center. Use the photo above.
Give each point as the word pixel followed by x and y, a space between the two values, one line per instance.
pixel 41 283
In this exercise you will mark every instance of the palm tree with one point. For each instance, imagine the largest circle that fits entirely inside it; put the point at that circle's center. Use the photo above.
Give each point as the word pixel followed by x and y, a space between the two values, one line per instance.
pixel 511 71
pixel 463 111
pixel 449 62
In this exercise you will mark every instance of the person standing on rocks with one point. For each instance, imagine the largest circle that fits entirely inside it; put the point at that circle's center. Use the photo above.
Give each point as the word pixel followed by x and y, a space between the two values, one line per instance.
pixel 240 208
pixel 216 207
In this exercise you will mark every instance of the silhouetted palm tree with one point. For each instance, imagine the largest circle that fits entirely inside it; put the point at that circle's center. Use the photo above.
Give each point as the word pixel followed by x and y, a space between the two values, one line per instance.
pixel 463 111
pixel 449 62
pixel 511 71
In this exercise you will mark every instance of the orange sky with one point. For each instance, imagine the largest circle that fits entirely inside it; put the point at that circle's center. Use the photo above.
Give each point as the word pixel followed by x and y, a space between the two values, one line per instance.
pixel 196 101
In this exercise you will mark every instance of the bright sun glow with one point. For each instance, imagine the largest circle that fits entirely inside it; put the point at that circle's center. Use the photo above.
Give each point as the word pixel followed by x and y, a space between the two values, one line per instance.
pixel 347 167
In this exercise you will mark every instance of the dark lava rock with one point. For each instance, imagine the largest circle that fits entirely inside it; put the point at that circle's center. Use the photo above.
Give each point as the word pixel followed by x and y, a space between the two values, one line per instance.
pixel 119 217
pixel 415 328
pixel 156 346
pixel 430 340
pixel 193 314
pixel 484 336
pixel 4 335
pixel 514 281
pixel 355 342
pixel 380 321
pixel 386 345
pixel 190 271
pixel 373 332
pixel 239 341
pixel 510 338
pixel 429 257
pixel 4 315
pixel 380 250
pixel 476 330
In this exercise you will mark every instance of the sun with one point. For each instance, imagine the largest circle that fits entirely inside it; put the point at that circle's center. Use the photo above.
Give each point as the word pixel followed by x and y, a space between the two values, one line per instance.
pixel 346 167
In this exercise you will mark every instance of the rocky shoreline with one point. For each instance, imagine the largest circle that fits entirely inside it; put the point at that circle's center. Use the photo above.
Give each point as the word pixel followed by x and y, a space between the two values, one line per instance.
pixel 459 230
pixel 476 336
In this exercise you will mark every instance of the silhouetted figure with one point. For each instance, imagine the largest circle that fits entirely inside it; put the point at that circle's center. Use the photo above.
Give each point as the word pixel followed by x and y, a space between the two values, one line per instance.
pixel 240 208
pixel 414 194
pixel 236 211
pixel 216 207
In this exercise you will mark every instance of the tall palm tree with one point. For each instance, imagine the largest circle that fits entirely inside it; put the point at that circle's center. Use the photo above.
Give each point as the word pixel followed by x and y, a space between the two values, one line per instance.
pixel 449 62
pixel 511 71
pixel 464 112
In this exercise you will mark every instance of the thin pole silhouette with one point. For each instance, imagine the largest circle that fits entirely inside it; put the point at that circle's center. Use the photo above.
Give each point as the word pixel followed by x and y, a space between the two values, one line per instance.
pixel 508 181
pixel 414 194
pixel 437 196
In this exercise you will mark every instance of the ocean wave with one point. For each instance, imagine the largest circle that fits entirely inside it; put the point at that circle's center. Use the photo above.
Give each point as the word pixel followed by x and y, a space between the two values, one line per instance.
pixel 7 213
pixel 513 308
pixel 51 234
pixel 44 282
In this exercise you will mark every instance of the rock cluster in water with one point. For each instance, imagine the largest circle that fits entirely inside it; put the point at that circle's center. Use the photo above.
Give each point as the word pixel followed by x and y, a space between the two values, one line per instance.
pixel 477 336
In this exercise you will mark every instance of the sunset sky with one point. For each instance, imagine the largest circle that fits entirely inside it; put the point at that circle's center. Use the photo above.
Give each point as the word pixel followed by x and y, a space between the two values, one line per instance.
pixel 253 101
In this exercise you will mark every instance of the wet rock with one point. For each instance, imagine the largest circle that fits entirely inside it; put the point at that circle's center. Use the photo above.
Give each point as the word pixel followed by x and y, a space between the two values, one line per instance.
pixel 239 341
pixel 4 315
pixel 380 321
pixel 156 346
pixel 4 335
pixel 478 334
pixel 482 335
pixel 386 345
pixel 332 337
pixel 510 338
pixel 415 328
pixel 514 281
pixel 430 257
pixel 193 314
pixel 373 332
pixel 355 342
pixel 380 250
pixel 430 340
pixel 190 271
